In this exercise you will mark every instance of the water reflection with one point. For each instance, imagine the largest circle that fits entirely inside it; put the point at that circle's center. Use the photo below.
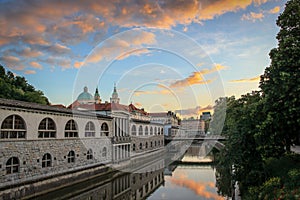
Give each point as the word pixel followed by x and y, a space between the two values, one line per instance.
pixel 188 179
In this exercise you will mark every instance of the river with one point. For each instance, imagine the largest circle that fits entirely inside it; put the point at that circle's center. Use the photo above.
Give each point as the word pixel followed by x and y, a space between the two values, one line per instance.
pixel 193 177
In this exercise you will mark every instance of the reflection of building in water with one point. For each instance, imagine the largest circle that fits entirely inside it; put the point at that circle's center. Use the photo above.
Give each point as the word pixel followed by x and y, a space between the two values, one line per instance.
pixel 129 186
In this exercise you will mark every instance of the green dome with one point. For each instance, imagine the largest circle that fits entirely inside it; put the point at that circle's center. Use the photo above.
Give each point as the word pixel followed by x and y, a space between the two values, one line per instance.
pixel 85 95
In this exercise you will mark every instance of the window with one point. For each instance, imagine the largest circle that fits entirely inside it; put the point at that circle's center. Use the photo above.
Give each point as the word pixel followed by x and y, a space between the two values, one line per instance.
pixel 146 145
pixel 12 165
pixel 151 144
pixel 71 129
pixel 133 147
pixel 155 143
pixel 140 130
pixel 89 154
pixel 13 127
pixel 162 131
pixel 71 157
pixel 146 130
pixel 46 161
pixel 155 131
pixel 104 152
pixel 47 129
pixel 133 130
pixel 141 146
pixel 158 142
pixel 89 129
pixel 104 129
pixel 151 130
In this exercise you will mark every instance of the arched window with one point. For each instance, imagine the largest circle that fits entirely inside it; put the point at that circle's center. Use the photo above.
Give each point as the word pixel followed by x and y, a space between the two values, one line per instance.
pixel 71 129
pixel 133 147
pixel 47 128
pixel 158 142
pixel 104 152
pixel 46 161
pixel 162 131
pixel 89 154
pixel 104 129
pixel 151 144
pixel 155 131
pixel 12 165
pixel 151 130
pixel 146 145
pixel 158 131
pixel 155 143
pixel 71 157
pixel 140 130
pixel 13 127
pixel 141 146
pixel 133 130
pixel 89 129
pixel 146 130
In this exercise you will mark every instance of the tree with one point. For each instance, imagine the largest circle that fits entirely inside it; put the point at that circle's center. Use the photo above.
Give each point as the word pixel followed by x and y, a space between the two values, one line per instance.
pixel 280 85
pixel 17 88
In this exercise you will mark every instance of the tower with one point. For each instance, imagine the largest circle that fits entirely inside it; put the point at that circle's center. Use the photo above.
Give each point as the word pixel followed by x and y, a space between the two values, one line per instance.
pixel 115 97
pixel 97 97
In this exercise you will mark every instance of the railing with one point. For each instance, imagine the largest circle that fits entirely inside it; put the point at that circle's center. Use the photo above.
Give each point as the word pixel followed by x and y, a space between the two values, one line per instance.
pixel 121 139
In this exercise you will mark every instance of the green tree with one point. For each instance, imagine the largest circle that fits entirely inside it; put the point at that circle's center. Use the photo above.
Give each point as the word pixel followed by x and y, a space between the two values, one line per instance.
pixel 240 153
pixel 17 88
pixel 280 85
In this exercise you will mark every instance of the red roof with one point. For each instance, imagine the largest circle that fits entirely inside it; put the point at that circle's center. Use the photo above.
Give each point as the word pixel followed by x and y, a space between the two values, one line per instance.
pixel 107 107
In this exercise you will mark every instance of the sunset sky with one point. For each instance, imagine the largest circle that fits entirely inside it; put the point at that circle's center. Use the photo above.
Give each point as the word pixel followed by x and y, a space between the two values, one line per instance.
pixel 162 55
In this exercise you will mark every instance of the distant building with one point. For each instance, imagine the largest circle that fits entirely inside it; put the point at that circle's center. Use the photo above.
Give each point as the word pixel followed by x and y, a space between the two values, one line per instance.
pixel 205 116
pixel 193 127
pixel 170 121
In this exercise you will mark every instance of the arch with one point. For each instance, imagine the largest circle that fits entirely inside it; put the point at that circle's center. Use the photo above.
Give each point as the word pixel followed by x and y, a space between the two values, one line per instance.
pixel 151 130
pixel 146 145
pixel 140 130
pixel 155 131
pixel 133 130
pixel 104 129
pixel 161 131
pixel 104 152
pixel 151 144
pixel 133 147
pixel 89 130
pixel 141 146
pixel 146 130
pixel 47 160
pixel 71 129
pixel 14 127
pixel 89 154
pixel 12 165
pixel 47 128
pixel 71 157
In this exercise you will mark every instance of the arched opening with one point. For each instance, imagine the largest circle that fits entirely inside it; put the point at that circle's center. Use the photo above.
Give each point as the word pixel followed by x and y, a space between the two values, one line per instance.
pixel 71 129
pixel 12 165
pixel 89 129
pixel 104 129
pixel 14 127
pixel 47 128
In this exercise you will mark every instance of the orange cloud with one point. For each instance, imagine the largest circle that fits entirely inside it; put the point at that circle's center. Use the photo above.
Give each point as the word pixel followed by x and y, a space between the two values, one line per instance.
pixel 246 80
pixel 28 52
pixel 197 77
pixel 36 65
pixel 252 16
pixel 194 111
pixel 275 10
pixel 199 188
pixel 29 72
pixel 138 104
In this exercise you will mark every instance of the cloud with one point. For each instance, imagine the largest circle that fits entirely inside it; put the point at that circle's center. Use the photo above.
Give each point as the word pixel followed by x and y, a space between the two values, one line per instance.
pixel 36 65
pixel 197 77
pixel 138 104
pixel 30 53
pixel 53 26
pixel 29 72
pixel 275 10
pixel 194 111
pixel 246 80
pixel 252 16
pixel 200 188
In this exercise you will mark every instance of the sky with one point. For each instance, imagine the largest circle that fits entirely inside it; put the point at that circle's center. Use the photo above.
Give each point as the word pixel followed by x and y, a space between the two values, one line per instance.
pixel 162 55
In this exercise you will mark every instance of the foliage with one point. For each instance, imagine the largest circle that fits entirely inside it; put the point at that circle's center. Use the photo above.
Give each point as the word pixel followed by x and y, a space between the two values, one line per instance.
pixel 16 87
pixel 280 85
pixel 217 122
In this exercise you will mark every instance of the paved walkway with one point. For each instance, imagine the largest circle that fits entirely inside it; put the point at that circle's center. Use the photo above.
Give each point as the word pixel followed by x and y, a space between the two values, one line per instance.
pixel 295 149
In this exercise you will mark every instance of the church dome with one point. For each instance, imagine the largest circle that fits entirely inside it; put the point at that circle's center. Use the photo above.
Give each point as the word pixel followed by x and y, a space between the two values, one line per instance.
pixel 85 95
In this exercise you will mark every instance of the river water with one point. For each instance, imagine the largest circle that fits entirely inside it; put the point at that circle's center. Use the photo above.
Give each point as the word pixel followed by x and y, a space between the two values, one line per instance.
pixel 190 178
